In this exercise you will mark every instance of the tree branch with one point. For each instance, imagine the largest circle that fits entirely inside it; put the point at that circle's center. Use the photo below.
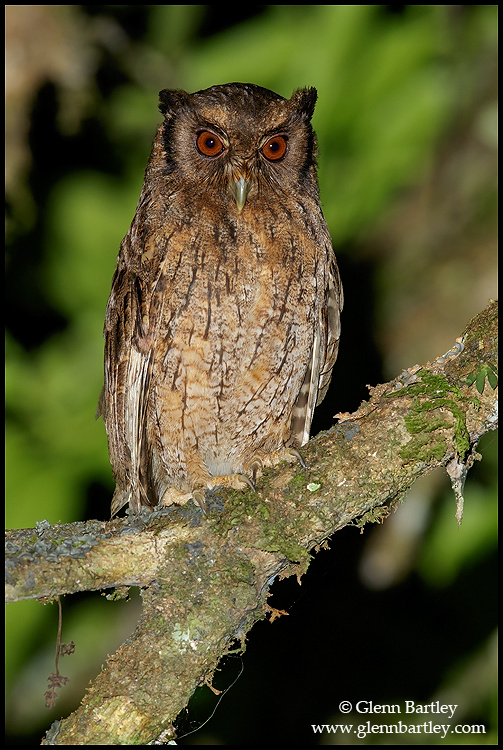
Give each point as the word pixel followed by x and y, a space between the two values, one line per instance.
pixel 205 580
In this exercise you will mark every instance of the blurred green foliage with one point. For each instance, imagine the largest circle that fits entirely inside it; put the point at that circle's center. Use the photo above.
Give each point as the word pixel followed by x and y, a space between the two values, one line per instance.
pixel 390 87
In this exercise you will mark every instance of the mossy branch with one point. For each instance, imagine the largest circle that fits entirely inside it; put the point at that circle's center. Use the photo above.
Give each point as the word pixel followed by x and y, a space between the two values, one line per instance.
pixel 205 580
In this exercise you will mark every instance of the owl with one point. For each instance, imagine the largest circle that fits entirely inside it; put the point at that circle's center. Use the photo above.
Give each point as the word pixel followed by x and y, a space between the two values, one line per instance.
pixel 222 325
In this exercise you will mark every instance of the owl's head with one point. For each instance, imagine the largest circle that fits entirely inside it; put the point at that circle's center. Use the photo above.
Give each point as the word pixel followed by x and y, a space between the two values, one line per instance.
pixel 237 142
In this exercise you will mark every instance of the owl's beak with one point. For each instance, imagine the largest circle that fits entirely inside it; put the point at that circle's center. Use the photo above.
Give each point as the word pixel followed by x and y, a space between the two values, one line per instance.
pixel 240 189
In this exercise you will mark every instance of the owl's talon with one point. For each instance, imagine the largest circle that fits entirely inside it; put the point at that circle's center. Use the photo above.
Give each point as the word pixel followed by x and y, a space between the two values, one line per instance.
pixel 256 466
pixel 295 453
pixel 249 482
pixel 198 497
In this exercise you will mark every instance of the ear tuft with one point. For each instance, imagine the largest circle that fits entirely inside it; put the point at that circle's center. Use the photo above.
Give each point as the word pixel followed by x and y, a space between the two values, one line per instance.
pixel 305 100
pixel 171 101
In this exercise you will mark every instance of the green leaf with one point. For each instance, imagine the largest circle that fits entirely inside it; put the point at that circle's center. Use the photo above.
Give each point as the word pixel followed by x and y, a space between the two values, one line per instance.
pixel 492 378
pixel 480 380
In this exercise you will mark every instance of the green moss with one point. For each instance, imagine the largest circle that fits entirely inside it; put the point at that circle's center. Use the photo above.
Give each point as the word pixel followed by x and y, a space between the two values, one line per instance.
pixel 422 449
pixel 286 546
pixel 433 392
pixel 298 481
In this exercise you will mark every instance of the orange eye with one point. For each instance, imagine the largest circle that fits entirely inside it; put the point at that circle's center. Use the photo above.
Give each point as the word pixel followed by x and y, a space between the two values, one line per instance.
pixel 275 148
pixel 209 144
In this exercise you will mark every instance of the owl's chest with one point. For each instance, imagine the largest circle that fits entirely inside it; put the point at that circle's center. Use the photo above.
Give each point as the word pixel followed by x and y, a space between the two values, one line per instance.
pixel 236 298
pixel 226 273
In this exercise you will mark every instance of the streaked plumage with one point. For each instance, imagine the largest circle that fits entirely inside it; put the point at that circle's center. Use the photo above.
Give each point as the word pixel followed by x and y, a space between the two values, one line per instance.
pixel 222 326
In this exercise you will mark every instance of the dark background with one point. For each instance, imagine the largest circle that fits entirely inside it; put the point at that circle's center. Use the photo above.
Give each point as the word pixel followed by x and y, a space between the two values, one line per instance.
pixel 406 123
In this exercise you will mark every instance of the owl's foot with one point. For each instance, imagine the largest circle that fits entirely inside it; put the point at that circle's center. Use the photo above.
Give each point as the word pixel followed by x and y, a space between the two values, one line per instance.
pixel 289 454
pixel 258 463
pixel 236 481
pixel 174 496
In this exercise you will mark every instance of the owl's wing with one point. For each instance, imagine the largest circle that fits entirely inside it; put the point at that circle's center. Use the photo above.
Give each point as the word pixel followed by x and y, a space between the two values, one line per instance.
pixel 323 355
pixel 124 400
pixel 330 329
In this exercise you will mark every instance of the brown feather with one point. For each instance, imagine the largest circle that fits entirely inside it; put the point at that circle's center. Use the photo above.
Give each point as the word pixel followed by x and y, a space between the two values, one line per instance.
pixel 223 321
